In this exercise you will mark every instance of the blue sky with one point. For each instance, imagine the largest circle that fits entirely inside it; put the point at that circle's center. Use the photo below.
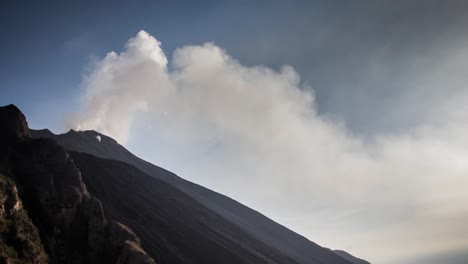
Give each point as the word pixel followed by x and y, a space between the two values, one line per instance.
pixel 48 45
pixel 372 107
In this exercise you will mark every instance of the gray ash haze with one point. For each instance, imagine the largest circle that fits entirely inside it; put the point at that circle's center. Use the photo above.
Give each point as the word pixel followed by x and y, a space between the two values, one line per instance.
pixel 254 133
pixel 346 121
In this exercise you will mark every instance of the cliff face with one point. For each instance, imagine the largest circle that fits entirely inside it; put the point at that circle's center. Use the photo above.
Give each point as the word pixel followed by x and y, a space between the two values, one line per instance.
pixel 20 241
pixel 69 223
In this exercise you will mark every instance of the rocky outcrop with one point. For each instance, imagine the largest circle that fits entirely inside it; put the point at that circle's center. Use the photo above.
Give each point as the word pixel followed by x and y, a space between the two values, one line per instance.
pixel 14 124
pixel 19 238
pixel 132 253
pixel 71 223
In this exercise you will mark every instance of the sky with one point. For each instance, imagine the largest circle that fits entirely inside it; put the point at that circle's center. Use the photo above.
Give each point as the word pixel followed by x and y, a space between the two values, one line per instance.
pixel 343 120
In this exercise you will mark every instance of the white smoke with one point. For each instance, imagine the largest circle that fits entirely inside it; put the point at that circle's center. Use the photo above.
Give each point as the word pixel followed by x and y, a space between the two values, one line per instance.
pixel 254 133
pixel 122 85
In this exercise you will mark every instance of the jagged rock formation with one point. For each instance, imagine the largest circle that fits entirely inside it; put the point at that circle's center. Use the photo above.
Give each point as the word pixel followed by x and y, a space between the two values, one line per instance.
pixel 71 222
pixel 19 238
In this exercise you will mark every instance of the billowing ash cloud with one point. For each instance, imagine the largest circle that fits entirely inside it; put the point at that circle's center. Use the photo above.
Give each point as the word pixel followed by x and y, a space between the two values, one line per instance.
pixel 122 85
pixel 254 133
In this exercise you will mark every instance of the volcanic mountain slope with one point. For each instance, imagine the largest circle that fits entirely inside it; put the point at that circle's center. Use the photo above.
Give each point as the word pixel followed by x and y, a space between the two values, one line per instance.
pixel 173 227
pixel 79 208
pixel 266 231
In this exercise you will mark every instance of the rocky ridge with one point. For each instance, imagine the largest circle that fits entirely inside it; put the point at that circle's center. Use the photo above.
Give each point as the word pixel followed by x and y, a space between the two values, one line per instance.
pixel 47 214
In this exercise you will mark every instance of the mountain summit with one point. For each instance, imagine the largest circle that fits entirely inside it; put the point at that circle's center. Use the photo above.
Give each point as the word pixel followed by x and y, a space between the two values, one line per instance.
pixel 80 197
pixel 47 214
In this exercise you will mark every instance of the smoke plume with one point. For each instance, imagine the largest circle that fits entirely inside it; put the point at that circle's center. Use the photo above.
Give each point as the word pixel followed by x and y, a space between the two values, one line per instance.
pixel 254 133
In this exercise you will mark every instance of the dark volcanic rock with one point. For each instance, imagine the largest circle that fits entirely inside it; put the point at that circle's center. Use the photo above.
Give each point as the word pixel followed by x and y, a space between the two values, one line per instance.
pixel 120 233
pixel 19 238
pixel 71 222
pixel 173 227
pixel 132 253
pixel 13 123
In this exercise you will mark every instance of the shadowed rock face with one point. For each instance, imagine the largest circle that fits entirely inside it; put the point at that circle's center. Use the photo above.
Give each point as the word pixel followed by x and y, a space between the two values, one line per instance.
pixel 14 124
pixel 20 241
pixel 70 221
pixel 173 227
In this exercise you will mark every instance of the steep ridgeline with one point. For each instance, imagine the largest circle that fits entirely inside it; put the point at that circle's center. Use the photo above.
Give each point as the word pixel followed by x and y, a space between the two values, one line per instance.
pixel 46 212
pixel 173 227
pixel 266 231
pixel 350 257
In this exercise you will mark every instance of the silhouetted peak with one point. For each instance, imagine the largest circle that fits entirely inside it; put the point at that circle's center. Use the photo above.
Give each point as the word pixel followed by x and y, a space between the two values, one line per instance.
pixel 91 135
pixel 41 133
pixel 13 124
pixel 45 130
